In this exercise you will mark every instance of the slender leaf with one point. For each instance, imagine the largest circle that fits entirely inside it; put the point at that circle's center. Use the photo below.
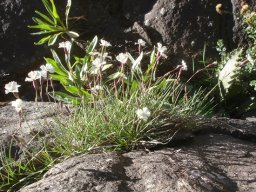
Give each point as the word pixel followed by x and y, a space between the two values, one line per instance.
pixel 54 10
pixel 59 69
pixel 72 34
pixel 73 90
pixel 116 75
pixel 62 79
pixel 67 11
pixel 152 61
pixel 57 59
pixel 92 45
pixel 65 98
pixel 43 40
pixel 53 39
pixel 134 87
pixel 46 27
pixel 45 17
pixel 105 67
pixel 49 10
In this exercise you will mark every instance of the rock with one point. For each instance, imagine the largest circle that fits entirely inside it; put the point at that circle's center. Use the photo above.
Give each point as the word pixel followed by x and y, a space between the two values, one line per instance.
pixel 36 117
pixel 212 163
pixel 38 120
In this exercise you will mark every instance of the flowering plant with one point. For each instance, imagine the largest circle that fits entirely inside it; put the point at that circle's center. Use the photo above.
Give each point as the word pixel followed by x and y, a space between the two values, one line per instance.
pixel 51 26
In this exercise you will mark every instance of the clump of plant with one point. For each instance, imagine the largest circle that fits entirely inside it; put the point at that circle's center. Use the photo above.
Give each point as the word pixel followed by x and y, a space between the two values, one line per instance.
pixel 118 101
pixel 237 70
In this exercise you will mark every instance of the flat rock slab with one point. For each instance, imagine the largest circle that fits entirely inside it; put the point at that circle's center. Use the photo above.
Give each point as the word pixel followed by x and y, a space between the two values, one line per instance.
pixel 37 121
pixel 36 117
pixel 211 163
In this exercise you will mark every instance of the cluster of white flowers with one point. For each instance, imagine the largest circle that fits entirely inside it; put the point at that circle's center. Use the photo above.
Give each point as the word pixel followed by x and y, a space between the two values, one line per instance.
pixel 99 61
pixel 34 75
pixel 13 87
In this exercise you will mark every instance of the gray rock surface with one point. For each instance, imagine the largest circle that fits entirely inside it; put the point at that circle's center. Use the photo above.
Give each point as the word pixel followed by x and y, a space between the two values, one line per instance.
pixel 38 119
pixel 211 163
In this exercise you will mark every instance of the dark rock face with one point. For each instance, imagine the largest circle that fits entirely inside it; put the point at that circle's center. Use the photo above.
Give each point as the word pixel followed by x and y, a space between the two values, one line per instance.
pixel 17 48
pixel 18 54
pixel 185 26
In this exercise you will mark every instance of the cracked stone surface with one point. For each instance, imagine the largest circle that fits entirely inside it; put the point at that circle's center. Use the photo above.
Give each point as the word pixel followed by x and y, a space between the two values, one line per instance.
pixel 212 162
pixel 220 156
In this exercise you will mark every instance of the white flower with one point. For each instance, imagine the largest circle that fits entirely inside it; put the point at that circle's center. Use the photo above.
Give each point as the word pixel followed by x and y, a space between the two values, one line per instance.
pixel 162 50
pixel 67 48
pixel 97 64
pixel 100 55
pixel 44 74
pixel 11 87
pixel 45 69
pixel 104 43
pixel 33 75
pixel 18 104
pixel 141 42
pixel 66 45
pixel 122 58
pixel 94 53
pixel 184 66
pixel 96 89
pixel 143 113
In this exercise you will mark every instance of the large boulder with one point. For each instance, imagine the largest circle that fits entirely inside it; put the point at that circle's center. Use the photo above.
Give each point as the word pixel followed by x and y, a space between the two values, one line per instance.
pixel 213 163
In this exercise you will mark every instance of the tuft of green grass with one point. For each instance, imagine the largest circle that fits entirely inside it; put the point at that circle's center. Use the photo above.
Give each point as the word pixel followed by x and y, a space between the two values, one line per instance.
pixel 112 124
pixel 27 169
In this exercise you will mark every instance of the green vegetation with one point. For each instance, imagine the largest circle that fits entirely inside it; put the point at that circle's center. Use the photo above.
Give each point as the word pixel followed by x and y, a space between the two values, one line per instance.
pixel 119 102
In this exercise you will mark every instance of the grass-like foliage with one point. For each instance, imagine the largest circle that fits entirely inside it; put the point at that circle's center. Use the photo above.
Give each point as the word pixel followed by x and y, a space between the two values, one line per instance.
pixel 114 124
pixel 16 172
pixel 118 101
